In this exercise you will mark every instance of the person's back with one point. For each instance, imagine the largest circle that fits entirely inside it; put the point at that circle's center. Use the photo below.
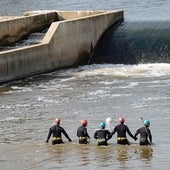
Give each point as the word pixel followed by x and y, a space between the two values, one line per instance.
pixel 82 133
pixel 102 135
pixel 145 133
pixel 121 130
pixel 57 131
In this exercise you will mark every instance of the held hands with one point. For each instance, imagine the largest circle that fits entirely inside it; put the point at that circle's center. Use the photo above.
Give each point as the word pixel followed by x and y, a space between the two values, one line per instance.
pixel 135 138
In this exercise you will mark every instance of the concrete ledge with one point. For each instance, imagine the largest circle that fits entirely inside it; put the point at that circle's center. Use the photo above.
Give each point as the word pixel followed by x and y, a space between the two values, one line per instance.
pixel 67 43
pixel 14 29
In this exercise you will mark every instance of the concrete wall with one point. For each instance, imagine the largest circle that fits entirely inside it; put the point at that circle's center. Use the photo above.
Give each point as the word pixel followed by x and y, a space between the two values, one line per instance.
pixel 67 43
pixel 13 30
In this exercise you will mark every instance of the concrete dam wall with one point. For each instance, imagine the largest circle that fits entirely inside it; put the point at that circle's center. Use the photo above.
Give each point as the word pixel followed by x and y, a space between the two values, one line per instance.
pixel 67 42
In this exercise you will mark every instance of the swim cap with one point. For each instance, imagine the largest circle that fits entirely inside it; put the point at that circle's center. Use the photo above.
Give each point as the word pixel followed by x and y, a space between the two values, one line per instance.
pixel 121 120
pixel 57 120
pixel 84 122
pixel 102 125
pixel 146 122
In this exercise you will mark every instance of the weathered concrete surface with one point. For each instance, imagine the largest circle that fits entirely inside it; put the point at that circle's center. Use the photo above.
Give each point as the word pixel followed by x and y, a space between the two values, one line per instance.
pixel 66 44
pixel 15 28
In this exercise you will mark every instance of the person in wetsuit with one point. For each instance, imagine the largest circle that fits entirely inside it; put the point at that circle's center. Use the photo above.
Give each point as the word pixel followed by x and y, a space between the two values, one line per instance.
pixel 82 133
pixel 57 131
pixel 121 130
pixel 102 135
pixel 145 133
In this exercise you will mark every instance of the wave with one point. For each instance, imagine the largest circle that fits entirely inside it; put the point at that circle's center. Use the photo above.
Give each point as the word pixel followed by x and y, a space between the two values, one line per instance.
pixel 121 70
pixel 13 120
pixel 134 43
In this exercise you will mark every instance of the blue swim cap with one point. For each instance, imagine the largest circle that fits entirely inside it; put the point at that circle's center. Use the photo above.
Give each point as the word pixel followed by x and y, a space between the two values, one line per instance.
pixel 146 122
pixel 102 125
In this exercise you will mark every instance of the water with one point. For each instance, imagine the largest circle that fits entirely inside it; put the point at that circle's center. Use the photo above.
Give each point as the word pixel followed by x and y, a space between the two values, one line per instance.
pixel 33 38
pixel 134 43
pixel 28 109
pixel 95 92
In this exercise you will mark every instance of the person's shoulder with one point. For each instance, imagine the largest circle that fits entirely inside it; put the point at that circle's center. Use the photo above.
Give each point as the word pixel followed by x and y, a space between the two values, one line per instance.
pixel 79 127
pixel 107 131
pixel 52 127
pixel 118 125
pixel 125 126
pixel 102 129
pixel 61 127
pixel 141 129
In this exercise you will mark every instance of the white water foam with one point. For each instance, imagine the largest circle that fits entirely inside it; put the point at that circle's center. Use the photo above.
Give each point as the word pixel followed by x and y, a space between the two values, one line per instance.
pixel 141 70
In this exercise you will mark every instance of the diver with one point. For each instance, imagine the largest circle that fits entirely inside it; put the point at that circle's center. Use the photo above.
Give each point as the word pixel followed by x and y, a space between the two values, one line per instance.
pixel 82 133
pixel 121 130
pixel 57 131
pixel 102 135
pixel 145 133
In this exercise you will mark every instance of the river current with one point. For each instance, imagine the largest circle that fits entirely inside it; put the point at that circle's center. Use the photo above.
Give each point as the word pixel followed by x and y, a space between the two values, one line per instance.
pixel 94 92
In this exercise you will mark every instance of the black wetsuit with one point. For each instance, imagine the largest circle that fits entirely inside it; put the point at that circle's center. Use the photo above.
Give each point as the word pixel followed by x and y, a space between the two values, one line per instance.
pixel 121 130
pixel 145 133
pixel 83 135
pixel 57 132
pixel 102 136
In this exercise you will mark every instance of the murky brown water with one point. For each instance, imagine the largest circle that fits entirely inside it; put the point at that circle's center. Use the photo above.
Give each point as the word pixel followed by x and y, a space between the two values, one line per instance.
pixel 71 156
pixel 29 107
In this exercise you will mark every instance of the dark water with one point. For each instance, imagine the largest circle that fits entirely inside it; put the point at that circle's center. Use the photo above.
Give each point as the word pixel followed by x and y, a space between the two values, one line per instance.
pixel 135 43
pixel 28 107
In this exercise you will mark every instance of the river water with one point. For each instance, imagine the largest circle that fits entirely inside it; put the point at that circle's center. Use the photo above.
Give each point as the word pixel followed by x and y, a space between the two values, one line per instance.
pixel 28 107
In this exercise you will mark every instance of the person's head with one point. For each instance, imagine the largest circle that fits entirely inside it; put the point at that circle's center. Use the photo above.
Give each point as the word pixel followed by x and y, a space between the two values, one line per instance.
pixel 84 122
pixel 57 121
pixel 102 125
pixel 122 120
pixel 146 123
pixel 108 120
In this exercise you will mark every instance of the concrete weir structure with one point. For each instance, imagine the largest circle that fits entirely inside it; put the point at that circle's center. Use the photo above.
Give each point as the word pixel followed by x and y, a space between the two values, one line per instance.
pixel 67 43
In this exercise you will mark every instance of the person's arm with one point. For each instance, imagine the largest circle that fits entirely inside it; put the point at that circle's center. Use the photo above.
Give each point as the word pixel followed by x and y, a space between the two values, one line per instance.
pixel 78 132
pixel 49 135
pixel 137 132
pixel 66 135
pixel 150 136
pixel 109 135
pixel 114 131
pixel 130 134
pixel 95 135
pixel 85 133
